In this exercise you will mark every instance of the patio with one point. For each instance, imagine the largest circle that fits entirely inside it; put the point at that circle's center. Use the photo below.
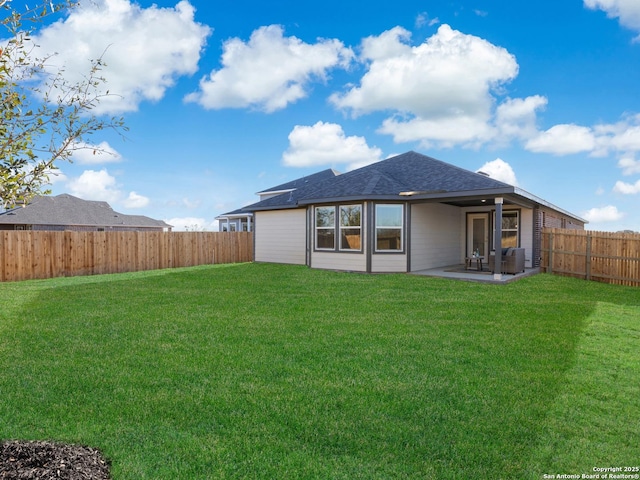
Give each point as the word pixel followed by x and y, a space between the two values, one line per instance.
pixel 459 272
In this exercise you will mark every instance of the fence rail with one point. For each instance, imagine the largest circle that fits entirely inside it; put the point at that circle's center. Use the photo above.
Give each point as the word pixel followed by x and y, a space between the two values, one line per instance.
pixel 26 255
pixel 600 256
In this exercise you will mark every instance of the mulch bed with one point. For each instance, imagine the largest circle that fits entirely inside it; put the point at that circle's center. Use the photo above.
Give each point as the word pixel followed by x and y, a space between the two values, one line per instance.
pixel 21 460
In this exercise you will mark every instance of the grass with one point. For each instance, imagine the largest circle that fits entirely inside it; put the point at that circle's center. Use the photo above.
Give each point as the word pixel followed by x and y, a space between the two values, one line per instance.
pixel 271 371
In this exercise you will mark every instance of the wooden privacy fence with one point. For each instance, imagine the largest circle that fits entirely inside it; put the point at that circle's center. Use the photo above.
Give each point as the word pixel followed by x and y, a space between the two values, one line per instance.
pixel 34 254
pixel 600 256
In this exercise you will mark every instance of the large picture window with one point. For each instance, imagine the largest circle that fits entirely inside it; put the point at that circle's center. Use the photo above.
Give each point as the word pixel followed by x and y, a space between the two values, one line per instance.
pixel 389 227
pixel 350 227
pixel 325 228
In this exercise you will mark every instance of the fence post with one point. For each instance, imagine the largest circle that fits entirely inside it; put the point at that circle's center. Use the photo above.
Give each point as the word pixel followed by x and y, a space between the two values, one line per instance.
pixel 550 256
pixel 588 260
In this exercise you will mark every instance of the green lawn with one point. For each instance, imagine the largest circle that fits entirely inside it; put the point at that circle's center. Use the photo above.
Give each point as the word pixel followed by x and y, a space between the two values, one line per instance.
pixel 271 371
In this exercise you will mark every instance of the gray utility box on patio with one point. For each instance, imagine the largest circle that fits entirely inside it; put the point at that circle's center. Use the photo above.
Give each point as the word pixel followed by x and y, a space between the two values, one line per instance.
pixel 512 260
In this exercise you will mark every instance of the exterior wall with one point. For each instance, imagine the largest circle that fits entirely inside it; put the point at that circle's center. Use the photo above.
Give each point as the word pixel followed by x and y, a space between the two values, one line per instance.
pixel 353 262
pixel 345 261
pixel 526 230
pixel 389 263
pixel 553 219
pixel 281 236
pixel 436 237
pixel 526 235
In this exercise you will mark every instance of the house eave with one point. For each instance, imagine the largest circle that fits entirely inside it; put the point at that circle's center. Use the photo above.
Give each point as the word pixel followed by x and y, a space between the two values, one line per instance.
pixel 512 195
pixel 273 193
pixel 542 202
pixel 234 216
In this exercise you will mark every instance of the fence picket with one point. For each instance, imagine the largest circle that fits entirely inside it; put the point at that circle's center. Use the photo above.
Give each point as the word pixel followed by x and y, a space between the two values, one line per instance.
pixel 26 255
pixel 600 256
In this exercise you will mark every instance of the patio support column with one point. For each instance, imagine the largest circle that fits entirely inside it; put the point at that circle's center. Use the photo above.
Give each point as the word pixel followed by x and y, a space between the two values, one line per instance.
pixel 497 264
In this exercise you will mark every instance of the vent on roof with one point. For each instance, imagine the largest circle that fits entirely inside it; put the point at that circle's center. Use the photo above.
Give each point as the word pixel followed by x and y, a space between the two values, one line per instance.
pixel 483 173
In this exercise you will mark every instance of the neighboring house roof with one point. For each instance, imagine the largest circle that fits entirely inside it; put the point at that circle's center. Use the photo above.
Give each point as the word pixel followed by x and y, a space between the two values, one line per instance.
pixel 407 176
pixel 68 210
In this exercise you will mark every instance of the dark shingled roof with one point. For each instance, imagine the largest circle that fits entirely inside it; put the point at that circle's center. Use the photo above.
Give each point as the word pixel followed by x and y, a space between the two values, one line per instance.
pixel 303 181
pixel 296 184
pixel 72 211
pixel 408 172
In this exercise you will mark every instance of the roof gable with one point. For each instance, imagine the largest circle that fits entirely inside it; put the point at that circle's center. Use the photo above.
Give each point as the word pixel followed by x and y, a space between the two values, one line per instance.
pixel 410 172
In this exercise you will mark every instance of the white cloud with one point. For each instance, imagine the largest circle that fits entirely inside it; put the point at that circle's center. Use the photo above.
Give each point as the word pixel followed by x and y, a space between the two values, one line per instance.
pixel 623 136
pixel 627 11
pixel 629 165
pixel 192 224
pixel 95 185
pixel 57 176
pixel 423 19
pixel 89 154
pixel 327 144
pixel 269 71
pixel 516 117
pixel 145 49
pixel 623 140
pixel 627 188
pixel 100 185
pixel 500 170
pixel 191 204
pixel 564 139
pixel 446 132
pixel 603 214
pixel 449 79
pixel 135 201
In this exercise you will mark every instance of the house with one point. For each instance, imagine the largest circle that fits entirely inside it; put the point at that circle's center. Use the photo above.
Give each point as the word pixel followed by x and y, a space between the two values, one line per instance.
pixel 240 220
pixel 403 214
pixel 66 212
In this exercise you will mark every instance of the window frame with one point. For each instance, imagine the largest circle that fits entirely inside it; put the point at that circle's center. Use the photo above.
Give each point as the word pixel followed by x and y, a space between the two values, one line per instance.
pixel 317 228
pixel 507 213
pixel 377 227
pixel 342 228
pixel 337 228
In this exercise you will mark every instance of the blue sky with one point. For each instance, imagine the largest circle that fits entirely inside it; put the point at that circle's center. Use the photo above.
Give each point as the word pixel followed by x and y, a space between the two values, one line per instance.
pixel 224 99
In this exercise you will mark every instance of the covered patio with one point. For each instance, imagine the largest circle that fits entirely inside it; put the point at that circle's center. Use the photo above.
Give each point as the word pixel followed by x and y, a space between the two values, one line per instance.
pixel 459 272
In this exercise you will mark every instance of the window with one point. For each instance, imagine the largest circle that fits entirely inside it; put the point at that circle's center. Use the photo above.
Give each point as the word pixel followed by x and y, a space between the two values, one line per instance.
pixel 510 223
pixel 350 227
pixel 389 227
pixel 325 228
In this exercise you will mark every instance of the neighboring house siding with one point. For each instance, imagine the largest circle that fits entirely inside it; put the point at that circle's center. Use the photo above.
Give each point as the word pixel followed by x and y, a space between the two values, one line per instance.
pixel 281 236
pixel 435 236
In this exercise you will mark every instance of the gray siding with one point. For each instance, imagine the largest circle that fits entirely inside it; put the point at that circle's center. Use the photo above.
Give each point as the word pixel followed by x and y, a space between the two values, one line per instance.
pixel 280 236
pixel 435 235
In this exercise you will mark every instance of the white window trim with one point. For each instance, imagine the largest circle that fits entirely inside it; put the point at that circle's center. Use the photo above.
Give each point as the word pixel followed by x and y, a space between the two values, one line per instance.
pixel 394 227
pixel 341 228
pixel 315 219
